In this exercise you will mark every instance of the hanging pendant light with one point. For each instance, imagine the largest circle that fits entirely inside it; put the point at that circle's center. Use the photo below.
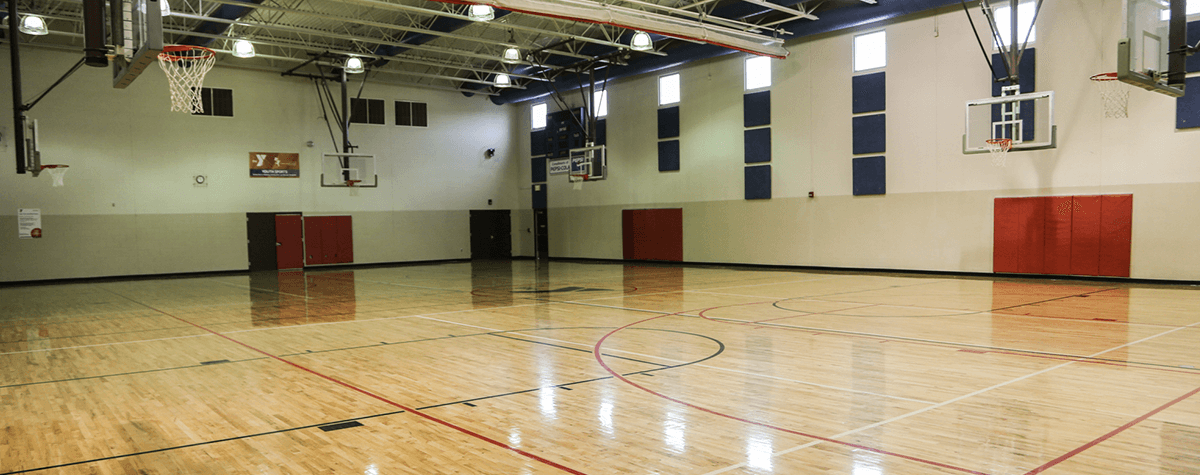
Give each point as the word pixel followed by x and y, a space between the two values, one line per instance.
pixel 481 13
pixel 243 49
pixel 502 80
pixel 33 25
pixel 511 56
pixel 641 42
pixel 164 7
pixel 354 65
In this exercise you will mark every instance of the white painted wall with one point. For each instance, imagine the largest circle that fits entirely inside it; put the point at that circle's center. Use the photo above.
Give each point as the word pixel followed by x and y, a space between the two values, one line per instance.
pixel 129 206
pixel 937 214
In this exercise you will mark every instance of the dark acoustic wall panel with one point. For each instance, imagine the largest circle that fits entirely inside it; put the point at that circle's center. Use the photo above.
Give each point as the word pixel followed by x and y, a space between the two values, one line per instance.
pixel 537 142
pixel 870 134
pixel 1026 72
pixel 1116 233
pixel 602 132
pixel 652 234
pixel 1187 108
pixel 1085 235
pixel 537 167
pixel 668 156
pixel 758 145
pixel 1193 61
pixel 758 182
pixel 1006 235
pixel 870 176
pixel 1057 252
pixel 870 92
pixel 539 196
pixel 756 109
pixel 668 122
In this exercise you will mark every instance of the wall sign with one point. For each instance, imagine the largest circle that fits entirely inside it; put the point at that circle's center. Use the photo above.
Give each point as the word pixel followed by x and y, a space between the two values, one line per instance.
pixel 560 167
pixel 266 164
pixel 29 223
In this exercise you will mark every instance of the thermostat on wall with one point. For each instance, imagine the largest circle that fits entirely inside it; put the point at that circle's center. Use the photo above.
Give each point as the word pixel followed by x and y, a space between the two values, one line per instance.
pixel 199 180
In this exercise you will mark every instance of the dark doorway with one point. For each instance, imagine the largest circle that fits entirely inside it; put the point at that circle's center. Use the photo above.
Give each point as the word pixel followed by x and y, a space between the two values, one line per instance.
pixel 261 240
pixel 541 235
pixel 491 234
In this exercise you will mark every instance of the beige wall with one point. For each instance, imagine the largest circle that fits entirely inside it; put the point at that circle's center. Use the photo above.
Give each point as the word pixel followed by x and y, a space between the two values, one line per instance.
pixel 937 214
pixel 129 206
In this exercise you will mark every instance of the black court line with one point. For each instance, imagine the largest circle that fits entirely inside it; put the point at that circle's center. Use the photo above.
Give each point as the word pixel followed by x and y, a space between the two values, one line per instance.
pixel 467 402
pixel 976 312
pixel 572 348
pixel 340 426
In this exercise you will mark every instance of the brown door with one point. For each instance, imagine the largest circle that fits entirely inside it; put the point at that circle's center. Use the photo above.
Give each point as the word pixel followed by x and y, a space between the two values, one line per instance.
pixel 289 241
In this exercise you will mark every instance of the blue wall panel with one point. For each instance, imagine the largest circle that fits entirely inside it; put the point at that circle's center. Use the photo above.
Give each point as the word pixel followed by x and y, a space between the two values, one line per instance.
pixel 539 196
pixel 758 145
pixel 1187 108
pixel 668 156
pixel 537 142
pixel 756 109
pixel 1193 61
pixel 601 132
pixel 1027 72
pixel 870 176
pixel 758 182
pixel 870 92
pixel 668 122
pixel 870 134
pixel 538 167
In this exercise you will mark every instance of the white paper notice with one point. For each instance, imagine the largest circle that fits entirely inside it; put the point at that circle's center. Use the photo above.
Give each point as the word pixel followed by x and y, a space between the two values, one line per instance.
pixel 29 223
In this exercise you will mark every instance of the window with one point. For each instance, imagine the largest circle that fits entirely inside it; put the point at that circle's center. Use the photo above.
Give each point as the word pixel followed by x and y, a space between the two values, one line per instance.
pixel 668 89
pixel 216 102
pixel 870 51
pixel 600 99
pixel 1193 8
pixel 758 72
pixel 1024 21
pixel 366 111
pixel 538 116
pixel 412 114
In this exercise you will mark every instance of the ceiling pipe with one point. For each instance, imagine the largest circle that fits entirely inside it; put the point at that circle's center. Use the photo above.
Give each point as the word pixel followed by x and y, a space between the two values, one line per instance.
pixel 831 20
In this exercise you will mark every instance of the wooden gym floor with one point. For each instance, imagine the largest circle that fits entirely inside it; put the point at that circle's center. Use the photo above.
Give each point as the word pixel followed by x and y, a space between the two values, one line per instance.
pixel 512 368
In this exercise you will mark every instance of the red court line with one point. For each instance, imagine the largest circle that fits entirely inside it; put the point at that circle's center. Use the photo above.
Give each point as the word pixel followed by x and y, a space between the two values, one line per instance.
pixel 386 400
pixel 600 359
pixel 1111 434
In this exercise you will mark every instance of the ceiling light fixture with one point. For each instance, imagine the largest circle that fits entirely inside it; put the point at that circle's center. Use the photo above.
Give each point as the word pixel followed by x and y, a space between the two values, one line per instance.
pixel 481 13
pixel 243 49
pixel 502 80
pixel 511 56
pixel 641 42
pixel 354 65
pixel 33 25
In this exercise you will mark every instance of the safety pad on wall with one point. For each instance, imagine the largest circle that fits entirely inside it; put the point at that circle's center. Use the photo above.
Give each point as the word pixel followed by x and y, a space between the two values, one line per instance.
pixel 870 92
pixel 1067 235
pixel 1187 108
pixel 870 134
pixel 538 167
pixel 652 234
pixel 668 122
pixel 539 196
pixel 668 156
pixel 870 176
pixel 756 109
pixel 537 142
pixel 758 145
pixel 601 132
pixel 758 182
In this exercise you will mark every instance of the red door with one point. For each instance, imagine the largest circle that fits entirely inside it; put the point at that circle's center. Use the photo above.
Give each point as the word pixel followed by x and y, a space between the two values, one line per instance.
pixel 289 241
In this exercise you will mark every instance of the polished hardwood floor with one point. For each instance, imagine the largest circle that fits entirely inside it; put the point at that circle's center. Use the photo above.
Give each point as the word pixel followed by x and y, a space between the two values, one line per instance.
pixel 591 368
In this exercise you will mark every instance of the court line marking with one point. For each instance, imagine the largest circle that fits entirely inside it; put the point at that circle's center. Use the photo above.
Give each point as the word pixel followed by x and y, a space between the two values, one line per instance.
pixel 385 400
pixel 673 360
pixel 969 395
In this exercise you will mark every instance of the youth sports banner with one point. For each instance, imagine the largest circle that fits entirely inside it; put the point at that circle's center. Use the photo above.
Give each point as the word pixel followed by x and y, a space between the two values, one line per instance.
pixel 265 164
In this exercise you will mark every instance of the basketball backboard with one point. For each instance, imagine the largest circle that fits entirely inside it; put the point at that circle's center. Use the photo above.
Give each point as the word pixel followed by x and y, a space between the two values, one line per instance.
pixel 137 32
pixel 1151 32
pixel 348 170
pixel 588 164
pixel 1026 119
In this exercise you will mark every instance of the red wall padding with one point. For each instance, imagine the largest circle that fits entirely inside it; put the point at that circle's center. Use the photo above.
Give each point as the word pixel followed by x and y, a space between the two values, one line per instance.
pixel 1069 235
pixel 1116 234
pixel 652 234
pixel 328 240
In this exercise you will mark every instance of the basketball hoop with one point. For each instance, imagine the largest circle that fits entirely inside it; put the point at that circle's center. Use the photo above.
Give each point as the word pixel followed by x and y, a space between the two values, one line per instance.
pixel 353 183
pixel 185 67
pixel 56 172
pixel 999 149
pixel 578 180
pixel 1115 95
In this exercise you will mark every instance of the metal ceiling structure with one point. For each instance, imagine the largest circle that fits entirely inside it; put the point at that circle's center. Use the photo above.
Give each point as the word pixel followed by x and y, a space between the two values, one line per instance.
pixel 436 45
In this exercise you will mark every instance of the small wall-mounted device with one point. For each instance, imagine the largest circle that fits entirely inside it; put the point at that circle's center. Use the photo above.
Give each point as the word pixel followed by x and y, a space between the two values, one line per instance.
pixel 199 180
pixel 491 152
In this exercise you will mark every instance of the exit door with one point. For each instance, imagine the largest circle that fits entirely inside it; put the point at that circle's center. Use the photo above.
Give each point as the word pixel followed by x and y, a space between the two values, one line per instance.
pixel 491 234
pixel 289 241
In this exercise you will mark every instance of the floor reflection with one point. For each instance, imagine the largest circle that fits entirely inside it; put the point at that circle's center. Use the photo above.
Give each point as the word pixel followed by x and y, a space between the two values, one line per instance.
pixel 299 297
pixel 1054 320
pixel 491 283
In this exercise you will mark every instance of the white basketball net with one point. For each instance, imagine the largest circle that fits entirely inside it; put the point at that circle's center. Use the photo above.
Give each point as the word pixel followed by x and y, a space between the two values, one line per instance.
pixel 185 73
pixel 999 149
pixel 57 175
pixel 1115 94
